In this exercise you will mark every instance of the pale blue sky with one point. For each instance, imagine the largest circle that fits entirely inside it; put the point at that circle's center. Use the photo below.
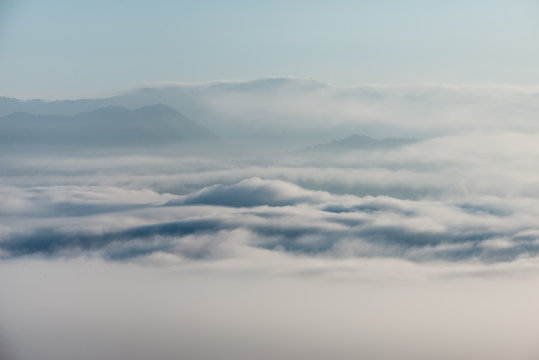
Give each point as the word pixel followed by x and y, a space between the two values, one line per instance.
pixel 61 48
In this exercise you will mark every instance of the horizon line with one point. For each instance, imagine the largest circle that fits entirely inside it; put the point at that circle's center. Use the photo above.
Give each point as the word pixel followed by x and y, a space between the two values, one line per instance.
pixel 163 84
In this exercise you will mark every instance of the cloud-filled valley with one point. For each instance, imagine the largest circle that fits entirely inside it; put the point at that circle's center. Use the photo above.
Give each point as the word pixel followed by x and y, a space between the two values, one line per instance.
pixel 274 218
pixel 459 202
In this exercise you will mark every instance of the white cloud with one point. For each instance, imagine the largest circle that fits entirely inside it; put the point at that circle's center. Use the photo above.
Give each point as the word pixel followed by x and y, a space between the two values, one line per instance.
pixel 274 216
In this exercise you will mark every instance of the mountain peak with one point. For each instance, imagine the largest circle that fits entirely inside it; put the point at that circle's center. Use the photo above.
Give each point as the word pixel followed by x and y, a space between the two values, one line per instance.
pixel 113 126
pixel 158 109
pixel 362 142
pixel 112 110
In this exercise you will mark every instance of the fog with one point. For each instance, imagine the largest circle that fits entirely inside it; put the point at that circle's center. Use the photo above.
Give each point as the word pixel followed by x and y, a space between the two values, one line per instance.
pixel 299 242
pixel 89 309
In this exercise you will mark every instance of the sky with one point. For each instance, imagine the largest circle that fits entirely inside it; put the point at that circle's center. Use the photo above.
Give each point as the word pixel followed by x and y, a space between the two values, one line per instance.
pixel 67 49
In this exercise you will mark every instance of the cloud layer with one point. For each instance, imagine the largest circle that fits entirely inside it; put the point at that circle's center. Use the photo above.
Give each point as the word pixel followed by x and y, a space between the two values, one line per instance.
pixel 269 214
pixel 425 251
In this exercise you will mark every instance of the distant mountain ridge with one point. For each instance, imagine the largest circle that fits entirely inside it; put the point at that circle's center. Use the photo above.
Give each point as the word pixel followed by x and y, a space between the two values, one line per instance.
pixel 116 126
pixel 177 95
pixel 361 142
pixel 287 112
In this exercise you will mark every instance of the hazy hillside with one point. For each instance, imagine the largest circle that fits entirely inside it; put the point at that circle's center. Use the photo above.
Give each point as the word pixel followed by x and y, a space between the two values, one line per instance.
pixel 290 113
pixel 112 126
pixel 188 97
pixel 361 142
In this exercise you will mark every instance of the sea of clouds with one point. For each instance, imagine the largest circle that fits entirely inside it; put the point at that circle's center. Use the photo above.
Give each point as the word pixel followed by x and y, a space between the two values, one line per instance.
pixel 425 251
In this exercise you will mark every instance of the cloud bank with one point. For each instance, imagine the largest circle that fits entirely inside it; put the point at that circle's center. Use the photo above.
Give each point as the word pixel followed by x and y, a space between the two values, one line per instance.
pixel 426 250
pixel 272 215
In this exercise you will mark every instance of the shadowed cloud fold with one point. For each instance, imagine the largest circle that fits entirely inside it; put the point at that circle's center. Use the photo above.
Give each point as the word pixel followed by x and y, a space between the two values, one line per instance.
pixel 251 192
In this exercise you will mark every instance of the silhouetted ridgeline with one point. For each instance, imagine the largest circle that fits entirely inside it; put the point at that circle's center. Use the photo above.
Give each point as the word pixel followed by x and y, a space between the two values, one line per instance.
pixel 360 142
pixel 112 126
